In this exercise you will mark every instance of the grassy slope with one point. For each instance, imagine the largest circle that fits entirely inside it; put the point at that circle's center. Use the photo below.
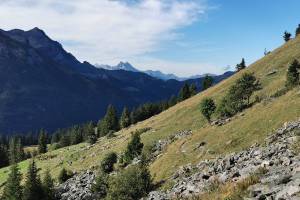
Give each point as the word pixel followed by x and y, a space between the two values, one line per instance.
pixel 242 131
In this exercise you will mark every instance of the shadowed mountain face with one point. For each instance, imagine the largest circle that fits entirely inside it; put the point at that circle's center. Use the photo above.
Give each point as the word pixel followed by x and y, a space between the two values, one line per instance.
pixel 43 86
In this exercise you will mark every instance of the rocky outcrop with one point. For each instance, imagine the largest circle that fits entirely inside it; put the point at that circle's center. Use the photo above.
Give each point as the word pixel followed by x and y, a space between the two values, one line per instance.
pixel 160 145
pixel 77 188
pixel 277 156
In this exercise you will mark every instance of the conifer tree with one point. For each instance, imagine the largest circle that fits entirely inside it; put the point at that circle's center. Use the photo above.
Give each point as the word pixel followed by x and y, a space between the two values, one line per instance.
pixel 207 82
pixel 292 76
pixel 172 101
pixel 125 118
pixel 110 121
pixel 287 36
pixel 241 65
pixel 134 148
pixel 193 89
pixel 32 189
pixel 42 143
pixel 298 30
pixel 13 188
pixel 184 93
pixel 48 186
pixel 16 151
pixel 4 161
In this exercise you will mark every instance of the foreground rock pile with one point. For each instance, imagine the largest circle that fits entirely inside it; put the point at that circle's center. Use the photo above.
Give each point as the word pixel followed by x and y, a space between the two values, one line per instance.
pixel 77 188
pixel 278 157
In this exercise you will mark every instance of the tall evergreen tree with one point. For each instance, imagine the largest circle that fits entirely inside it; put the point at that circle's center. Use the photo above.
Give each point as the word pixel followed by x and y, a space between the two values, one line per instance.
pixel 33 189
pixel 110 121
pixel 287 36
pixel 4 161
pixel 193 89
pixel 48 186
pixel 292 76
pixel 125 118
pixel 298 30
pixel 207 82
pixel 16 151
pixel 13 188
pixel 184 93
pixel 172 101
pixel 42 144
pixel 241 65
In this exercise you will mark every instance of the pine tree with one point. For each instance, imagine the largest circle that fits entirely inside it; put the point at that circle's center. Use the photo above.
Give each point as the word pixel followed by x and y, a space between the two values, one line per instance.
pixel 287 36
pixel 298 30
pixel 241 65
pixel 184 93
pixel 292 77
pixel 13 188
pixel 110 121
pixel 172 101
pixel 4 161
pixel 193 89
pixel 48 186
pixel 125 118
pixel 33 189
pixel 16 151
pixel 207 82
pixel 42 143
pixel 134 148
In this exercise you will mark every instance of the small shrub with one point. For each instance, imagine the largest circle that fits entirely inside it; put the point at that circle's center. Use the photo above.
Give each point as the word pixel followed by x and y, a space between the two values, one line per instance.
pixel 107 164
pixel 280 92
pixel 101 185
pixel 207 108
pixel 64 175
pixel 132 183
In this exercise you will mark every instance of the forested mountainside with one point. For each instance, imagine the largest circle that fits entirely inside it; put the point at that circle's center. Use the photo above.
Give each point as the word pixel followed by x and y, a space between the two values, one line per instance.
pixel 43 86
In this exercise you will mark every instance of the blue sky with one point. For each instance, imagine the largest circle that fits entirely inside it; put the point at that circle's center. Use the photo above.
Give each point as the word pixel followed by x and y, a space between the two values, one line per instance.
pixel 231 30
pixel 184 37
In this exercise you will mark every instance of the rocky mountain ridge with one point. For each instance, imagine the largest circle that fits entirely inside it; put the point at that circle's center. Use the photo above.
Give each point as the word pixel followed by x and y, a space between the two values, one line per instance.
pixel 44 86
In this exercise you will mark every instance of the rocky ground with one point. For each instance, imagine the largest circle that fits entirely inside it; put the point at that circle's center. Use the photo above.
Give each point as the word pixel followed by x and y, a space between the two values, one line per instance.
pixel 77 187
pixel 278 157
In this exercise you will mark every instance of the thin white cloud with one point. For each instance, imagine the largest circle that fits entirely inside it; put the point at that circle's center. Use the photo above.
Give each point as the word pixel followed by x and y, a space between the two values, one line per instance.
pixel 103 31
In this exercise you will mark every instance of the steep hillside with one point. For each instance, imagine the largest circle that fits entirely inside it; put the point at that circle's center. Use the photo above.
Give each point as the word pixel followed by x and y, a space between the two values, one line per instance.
pixel 243 130
pixel 43 86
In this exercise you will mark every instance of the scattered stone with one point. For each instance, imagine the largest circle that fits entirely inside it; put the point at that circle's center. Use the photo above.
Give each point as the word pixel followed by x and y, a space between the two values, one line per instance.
pixel 275 162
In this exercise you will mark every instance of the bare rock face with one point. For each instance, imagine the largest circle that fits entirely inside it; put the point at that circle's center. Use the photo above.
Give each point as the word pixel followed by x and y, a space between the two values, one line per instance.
pixel 277 157
pixel 77 187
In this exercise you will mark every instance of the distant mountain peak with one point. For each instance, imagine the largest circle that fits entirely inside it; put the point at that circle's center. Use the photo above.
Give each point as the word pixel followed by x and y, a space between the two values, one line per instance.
pixel 126 66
